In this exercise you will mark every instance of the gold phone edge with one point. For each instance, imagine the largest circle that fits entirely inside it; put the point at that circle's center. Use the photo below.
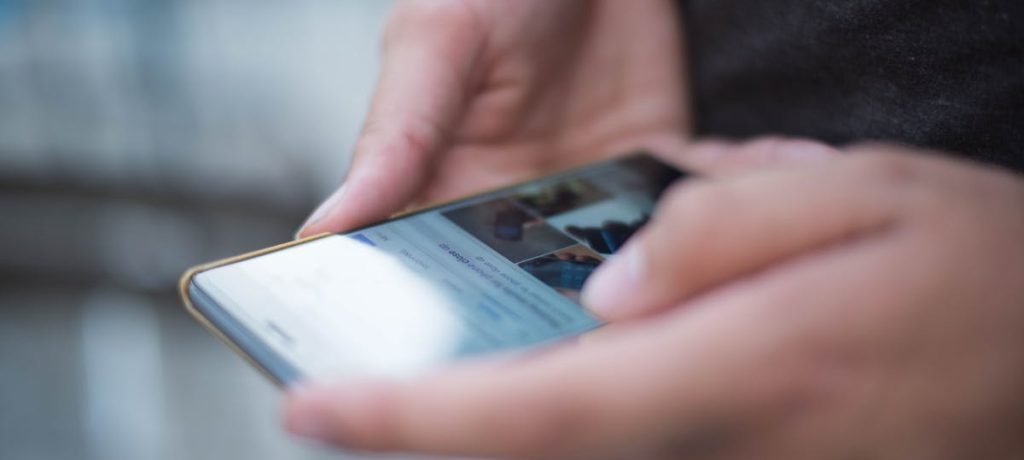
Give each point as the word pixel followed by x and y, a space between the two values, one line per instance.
pixel 186 280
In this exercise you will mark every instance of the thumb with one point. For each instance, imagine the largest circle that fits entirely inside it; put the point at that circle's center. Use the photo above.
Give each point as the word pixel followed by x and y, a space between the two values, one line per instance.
pixel 605 400
pixel 429 54
pixel 706 233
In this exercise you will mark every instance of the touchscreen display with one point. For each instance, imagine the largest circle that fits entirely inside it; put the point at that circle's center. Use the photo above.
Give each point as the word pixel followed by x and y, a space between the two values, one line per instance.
pixel 500 271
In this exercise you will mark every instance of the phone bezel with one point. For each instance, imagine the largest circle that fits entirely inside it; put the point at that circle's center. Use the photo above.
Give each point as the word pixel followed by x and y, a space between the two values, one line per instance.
pixel 261 356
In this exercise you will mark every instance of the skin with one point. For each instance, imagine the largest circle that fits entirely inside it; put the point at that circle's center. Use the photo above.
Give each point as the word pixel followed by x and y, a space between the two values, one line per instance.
pixel 797 303
pixel 479 94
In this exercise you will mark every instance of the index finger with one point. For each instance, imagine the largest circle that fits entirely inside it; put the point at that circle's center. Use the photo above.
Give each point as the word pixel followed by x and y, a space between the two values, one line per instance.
pixel 612 398
pixel 430 51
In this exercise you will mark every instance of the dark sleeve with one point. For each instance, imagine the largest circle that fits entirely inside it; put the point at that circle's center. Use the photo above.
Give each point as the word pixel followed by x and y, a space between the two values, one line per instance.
pixel 941 74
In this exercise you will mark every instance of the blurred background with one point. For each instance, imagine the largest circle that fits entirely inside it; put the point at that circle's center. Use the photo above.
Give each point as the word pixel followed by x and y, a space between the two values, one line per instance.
pixel 138 138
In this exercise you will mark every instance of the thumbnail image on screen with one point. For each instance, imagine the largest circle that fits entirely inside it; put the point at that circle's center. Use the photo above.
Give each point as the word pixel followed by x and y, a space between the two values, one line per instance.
pixel 560 232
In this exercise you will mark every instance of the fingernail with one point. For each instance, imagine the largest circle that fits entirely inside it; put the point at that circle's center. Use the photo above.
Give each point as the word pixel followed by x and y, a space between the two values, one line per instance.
pixel 322 210
pixel 611 287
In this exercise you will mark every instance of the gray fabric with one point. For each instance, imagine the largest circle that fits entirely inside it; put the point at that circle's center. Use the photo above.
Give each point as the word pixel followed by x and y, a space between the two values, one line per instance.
pixel 943 74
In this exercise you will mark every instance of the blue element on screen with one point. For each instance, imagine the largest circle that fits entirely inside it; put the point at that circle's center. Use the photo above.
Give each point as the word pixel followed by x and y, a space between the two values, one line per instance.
pixel 490 312
pixel 363 239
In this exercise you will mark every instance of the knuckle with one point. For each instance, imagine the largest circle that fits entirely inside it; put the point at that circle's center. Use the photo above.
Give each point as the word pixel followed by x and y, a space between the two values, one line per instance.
pixel 411 141
pixel 699 204
pixel 767 143
pixel 885 168
pixel 775 147
pixel 372 131
pixel 806 146
pixel 420 137
pixel 762 149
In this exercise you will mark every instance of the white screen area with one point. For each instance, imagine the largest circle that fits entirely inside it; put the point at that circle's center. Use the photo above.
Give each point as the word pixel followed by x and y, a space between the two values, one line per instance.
pixel 498 272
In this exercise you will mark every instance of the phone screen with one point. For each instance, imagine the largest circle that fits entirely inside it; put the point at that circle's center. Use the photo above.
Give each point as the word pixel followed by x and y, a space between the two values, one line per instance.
pixel 496 272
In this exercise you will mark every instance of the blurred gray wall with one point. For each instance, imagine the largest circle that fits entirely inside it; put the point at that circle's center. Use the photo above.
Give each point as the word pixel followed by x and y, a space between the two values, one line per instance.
pixel 138 138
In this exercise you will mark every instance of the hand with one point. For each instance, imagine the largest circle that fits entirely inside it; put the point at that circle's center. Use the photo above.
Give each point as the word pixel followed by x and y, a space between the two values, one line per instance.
pixel 475 94
pixel 866 306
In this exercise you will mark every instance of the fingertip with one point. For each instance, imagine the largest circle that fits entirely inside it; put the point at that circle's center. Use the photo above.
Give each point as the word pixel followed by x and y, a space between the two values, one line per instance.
pixel 611 290
pixel 305 231
pixel 306 413
pixel 310 230
pixel 316 221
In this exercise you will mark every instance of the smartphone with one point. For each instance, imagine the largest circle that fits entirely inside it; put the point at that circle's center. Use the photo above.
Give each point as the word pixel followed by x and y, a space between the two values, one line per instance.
pixel 499 272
